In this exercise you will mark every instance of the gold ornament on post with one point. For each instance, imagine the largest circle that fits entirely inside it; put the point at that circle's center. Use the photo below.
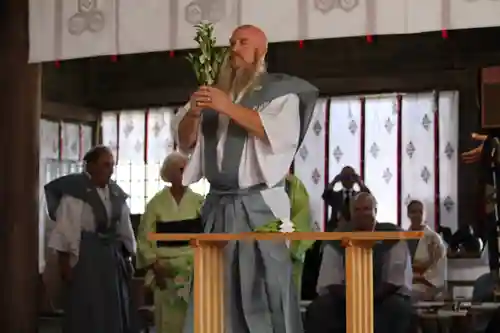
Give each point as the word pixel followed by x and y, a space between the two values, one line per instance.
pixel 208 60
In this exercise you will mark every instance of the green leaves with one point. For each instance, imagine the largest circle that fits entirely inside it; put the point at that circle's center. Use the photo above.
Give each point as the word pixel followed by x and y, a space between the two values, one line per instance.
pixel 207 61
pixel 270 227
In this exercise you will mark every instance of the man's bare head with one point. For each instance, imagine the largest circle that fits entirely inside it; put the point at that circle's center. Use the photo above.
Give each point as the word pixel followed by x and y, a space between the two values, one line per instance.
pixel 248 46
pixel 363 211
pixel 241 69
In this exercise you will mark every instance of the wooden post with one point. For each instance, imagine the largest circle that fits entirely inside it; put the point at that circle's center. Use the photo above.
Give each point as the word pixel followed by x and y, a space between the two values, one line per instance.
pixel 20 100
pixel 359 286
pixel 208 286
pixel 209 272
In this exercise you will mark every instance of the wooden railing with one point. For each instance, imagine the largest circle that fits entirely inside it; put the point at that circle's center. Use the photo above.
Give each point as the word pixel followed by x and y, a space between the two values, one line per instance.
pixel 209 267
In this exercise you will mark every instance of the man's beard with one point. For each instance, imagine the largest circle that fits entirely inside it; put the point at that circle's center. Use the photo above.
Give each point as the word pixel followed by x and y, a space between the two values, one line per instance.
pixel 235 81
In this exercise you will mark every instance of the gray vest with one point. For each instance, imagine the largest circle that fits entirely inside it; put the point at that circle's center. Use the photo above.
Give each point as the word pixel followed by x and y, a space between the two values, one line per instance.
pixel 80 187
pixel 271 87
pixel 379 250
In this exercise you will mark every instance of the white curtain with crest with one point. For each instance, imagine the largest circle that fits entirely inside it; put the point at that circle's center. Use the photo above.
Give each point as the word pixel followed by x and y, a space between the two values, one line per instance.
pixel 380 134
pixel 66 29
pixel 309 165
pixel 381 155
pixel 418 155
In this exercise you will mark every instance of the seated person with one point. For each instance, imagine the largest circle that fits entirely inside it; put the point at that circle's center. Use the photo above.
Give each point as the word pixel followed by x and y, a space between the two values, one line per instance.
pixel 428 256
pixel 392 278
pixel 337 196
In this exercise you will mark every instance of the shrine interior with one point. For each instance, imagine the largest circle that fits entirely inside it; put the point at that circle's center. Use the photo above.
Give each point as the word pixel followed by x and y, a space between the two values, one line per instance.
pixel 80 92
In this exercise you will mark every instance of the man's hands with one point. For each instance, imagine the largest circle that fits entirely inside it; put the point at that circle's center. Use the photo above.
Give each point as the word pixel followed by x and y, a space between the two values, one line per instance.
pixel 194 110
pixel 474 155
pixel 161 273
pixel 211 98
pixel 65 268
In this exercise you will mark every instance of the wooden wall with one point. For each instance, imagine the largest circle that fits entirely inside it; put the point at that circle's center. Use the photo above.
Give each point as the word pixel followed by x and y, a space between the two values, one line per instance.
pixel 402 63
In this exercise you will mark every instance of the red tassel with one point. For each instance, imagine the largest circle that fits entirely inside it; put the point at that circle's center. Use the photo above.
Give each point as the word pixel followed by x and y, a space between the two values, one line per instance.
pixel 301 44
pixel 369 38
pixel 444 33
pixel 172 54
pixel 57 63
pixel 114 58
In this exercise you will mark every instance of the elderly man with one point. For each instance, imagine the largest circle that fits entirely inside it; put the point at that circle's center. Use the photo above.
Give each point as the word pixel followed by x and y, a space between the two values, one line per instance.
pixel 392 278
pixel 337 195
pixel 175 209
pixel 94 240
pixel 243 134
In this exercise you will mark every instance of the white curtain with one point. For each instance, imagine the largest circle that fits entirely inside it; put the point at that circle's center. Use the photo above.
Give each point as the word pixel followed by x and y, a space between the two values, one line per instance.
pixel 130 166
pixel 418 155
pixel 309 164
pixel 406 155
pixel 344 136
pixel 448 158
pixel 109 128
pixel 381 154
pixel 66 29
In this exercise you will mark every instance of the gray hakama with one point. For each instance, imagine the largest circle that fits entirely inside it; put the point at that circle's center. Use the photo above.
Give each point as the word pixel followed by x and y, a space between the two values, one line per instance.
pixel 98 293
pixel 483 291
pixel 391 264
pixel 260 292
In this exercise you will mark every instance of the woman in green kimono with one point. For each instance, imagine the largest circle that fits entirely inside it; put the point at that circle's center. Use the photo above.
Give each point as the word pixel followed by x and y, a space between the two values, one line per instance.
pixel 169 265
pixel 301 217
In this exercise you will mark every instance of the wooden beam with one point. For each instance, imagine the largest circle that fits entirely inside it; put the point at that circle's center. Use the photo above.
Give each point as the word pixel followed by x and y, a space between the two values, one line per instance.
pixel 66 112
pixel 329 86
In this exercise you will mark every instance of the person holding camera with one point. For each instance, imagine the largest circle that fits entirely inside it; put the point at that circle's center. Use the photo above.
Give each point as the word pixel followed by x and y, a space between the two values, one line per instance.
pixel 338 195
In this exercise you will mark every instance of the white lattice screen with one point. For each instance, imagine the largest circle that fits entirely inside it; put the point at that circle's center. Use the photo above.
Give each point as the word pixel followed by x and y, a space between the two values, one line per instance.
pixel 140 141
pixel 404 147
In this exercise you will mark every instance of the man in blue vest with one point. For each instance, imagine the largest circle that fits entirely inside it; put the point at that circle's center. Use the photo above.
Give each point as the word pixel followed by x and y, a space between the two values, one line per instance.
pixel 94 240
pixel 392 278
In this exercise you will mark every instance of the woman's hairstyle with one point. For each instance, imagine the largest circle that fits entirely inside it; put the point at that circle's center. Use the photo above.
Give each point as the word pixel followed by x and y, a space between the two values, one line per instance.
pixel 414 202
pixel 168 163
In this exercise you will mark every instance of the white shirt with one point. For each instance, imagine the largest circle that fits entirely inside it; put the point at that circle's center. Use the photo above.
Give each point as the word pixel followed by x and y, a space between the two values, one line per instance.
pixel 74 216
pixel 431 247
pixel 396 270
pixel 261 162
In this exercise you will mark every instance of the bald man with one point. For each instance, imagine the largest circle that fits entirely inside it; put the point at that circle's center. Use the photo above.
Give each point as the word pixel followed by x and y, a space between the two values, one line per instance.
pixel 392 278
pixel 242 135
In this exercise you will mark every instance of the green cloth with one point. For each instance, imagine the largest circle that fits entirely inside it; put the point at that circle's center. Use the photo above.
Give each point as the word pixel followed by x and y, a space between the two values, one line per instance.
pixel 300 215
pixel 171 302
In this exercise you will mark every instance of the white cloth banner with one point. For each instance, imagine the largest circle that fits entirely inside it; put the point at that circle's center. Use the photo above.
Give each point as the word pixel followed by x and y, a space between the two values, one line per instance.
pixel 309 165
pixel 160 139
pixel 65 29
pixel 381 155
pixel 398 164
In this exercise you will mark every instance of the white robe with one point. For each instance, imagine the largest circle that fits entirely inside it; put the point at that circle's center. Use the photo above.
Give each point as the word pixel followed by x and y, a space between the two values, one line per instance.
pixel 74 216
pixel 261 162
pixel 431 246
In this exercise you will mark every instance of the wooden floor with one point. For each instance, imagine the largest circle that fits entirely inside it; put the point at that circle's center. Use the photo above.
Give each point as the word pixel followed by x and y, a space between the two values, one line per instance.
pixel 53 325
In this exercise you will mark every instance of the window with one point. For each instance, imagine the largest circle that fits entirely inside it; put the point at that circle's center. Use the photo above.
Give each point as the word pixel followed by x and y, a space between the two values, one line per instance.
pixel 403 146
pixel 62 146
pixel 140 141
